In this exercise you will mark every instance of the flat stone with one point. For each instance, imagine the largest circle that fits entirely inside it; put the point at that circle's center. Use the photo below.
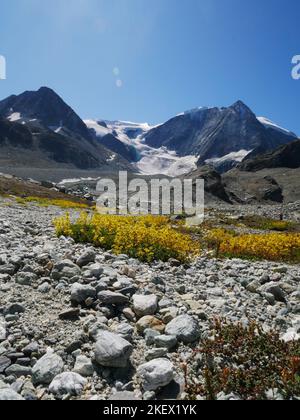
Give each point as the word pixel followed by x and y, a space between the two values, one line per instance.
pixel 70 314
pixel 166 341
pixel 156 353
pixel 112 298
pixel 18 371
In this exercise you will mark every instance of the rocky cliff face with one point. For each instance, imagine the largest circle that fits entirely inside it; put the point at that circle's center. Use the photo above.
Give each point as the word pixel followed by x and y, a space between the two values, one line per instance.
pixel 212 133
pixel 47 107
pixel 38 129
pixel 287 156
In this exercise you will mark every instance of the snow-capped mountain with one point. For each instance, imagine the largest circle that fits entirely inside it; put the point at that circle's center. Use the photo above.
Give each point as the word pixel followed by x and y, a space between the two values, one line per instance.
pixel 271 125
pixel 221 137
pixel 42 128
pixel 128 139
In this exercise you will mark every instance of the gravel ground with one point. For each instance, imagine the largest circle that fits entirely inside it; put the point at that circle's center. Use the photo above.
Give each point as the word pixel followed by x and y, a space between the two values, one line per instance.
pixel 80 323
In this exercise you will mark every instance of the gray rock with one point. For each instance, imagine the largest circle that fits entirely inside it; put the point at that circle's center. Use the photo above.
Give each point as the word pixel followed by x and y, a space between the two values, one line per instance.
pixel 7 394
pixel 18 371
pixel 269 298
pixel 124 396
pixel 165 303
pixel 111 350
pixel 93 271
pixel 112 298
pixel 125 331
pixel 13 309
pixel 156 374
pixel 95 329
pixel 31 348
pixel 65 269
pixel 86 258
pixel 5 362
pixel 45 370
pixel 254 286
pixel 156 353
pixel 184 328
pixel 80 293
pixel 166 341
pixel 44 288
pixel 275 290
pixel 84 366
pixel 26 279
pixel 144 305
pixel 67 383
pixel 150 336
pixel 70 314
pixel 2 329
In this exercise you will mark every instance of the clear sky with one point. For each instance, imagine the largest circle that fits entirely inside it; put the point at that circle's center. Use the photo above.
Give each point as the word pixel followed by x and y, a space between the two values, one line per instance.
pixel 148 60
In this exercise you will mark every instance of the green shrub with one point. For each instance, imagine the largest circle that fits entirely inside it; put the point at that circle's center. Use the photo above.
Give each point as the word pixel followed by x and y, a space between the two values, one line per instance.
pixel 245 361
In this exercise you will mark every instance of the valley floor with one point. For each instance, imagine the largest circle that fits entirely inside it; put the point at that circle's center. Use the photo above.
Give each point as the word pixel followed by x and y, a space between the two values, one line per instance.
pixel 43 335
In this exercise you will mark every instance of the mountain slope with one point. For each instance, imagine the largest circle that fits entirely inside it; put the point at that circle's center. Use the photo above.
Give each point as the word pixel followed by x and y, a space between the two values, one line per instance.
pixel 287 156
pixel 212 133
pixel 38 129
pixel 45 106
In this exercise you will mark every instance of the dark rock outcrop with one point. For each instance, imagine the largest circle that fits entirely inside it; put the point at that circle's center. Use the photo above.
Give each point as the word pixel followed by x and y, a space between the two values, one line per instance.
pixel 287 156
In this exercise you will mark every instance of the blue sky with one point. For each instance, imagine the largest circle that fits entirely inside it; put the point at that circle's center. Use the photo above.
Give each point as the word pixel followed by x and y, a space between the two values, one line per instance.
pixel 147 60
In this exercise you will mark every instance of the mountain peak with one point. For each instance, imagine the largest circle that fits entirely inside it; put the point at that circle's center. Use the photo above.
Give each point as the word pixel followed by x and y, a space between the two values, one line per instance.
pixel 45 89
pixel 240 105
pixel 46 106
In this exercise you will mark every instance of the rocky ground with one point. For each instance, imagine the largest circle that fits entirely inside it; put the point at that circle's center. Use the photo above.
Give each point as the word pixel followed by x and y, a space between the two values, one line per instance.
pixel 79 323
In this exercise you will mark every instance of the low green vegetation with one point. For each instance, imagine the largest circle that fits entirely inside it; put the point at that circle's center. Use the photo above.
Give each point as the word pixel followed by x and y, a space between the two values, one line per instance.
pixel 263 223
pixel 245 361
